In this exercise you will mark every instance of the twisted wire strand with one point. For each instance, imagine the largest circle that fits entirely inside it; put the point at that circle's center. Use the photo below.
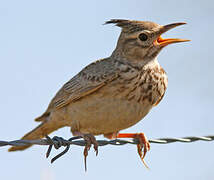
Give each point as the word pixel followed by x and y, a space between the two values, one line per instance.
pixel 73 141
pixel 58 142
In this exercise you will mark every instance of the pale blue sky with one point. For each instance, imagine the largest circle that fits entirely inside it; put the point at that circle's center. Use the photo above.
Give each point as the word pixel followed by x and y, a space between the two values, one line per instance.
pixel 44 43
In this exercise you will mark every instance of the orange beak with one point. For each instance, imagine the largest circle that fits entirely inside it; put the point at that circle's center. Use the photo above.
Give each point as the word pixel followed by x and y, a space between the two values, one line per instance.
pixel 164 42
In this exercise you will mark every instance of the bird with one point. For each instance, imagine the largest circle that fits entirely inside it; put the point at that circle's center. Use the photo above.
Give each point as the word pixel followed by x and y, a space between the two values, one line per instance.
pixel 113 93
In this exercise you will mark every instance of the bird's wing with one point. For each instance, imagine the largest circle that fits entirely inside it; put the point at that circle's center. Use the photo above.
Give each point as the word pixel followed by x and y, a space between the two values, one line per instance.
pixel 89 80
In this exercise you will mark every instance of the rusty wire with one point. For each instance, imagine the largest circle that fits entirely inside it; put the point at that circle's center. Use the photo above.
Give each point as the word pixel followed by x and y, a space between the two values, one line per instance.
pixel 58 142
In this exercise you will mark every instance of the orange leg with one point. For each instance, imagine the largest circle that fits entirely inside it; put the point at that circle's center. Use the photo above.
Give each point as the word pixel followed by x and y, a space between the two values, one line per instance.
pixel 143 143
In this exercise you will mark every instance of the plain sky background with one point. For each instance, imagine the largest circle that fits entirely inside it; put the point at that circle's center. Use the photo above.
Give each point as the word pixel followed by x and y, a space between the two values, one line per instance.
pixel 44 43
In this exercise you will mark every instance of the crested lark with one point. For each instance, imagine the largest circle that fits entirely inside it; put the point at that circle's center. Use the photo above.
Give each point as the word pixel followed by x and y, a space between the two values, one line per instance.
pixel 114 93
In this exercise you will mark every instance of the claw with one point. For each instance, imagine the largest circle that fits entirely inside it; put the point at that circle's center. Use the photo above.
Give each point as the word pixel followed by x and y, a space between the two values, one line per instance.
pixel 85 157
pixel 89 139
pixel 143 144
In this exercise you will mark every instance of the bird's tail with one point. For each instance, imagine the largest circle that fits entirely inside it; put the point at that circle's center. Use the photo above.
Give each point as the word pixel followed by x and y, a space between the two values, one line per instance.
pixel 45 128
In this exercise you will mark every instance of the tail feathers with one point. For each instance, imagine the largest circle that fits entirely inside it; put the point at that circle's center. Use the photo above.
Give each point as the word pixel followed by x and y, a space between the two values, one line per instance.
pixel 39 132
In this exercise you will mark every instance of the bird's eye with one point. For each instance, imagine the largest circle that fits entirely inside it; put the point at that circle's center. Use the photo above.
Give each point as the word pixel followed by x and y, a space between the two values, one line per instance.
pixel 143 37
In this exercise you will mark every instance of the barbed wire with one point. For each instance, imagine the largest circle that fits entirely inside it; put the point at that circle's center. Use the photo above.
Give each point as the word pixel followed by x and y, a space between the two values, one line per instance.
pixel 58 142
pixel 73 141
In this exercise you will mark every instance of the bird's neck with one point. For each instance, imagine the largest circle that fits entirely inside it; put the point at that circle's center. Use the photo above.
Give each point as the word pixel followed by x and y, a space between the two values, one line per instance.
pixel 152 64
pixel 142 64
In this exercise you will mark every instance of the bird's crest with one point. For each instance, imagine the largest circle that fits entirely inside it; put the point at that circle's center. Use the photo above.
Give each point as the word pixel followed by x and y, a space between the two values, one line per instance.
pixel 131 26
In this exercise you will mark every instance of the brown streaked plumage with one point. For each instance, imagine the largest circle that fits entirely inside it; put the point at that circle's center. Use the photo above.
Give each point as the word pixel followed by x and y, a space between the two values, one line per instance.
pixel 114 93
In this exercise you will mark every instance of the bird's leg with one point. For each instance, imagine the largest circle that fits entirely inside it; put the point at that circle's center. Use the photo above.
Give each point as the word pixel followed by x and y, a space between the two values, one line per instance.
pixel 143 143
pixel 89 139
pixel 111 135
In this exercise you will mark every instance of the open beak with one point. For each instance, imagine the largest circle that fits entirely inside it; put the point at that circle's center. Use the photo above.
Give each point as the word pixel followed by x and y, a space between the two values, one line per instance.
pixel 164 42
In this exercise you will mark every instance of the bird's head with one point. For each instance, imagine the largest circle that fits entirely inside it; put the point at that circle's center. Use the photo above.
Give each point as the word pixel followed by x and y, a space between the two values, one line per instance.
pixel 141 41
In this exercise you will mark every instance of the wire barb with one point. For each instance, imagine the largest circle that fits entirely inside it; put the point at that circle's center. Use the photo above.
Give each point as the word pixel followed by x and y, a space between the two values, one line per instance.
pixel 58 142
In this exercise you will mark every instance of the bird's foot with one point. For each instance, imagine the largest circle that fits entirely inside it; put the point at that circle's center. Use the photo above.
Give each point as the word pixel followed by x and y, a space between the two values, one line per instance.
pixel 89 140
pixel 142 145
